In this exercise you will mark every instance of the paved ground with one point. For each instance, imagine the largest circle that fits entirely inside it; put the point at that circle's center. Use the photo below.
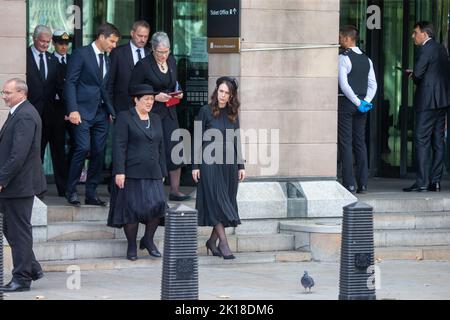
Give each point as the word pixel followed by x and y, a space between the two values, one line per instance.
pixel 421 280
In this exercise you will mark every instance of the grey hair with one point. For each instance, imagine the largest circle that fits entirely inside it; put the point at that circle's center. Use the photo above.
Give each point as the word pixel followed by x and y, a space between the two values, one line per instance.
pixel 160 38
pixel 41 29
pixel 21 85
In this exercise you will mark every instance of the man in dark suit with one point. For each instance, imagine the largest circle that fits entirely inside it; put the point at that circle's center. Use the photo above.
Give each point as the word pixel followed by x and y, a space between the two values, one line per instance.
pixel 88 107
pixel 431 75
pixel 42 82
pixel 123 59
pixel 61 42
pixel 21 178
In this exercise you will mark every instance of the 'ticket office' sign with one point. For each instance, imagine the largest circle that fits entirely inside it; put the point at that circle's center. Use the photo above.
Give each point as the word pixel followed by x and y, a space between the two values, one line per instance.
pixel 223 26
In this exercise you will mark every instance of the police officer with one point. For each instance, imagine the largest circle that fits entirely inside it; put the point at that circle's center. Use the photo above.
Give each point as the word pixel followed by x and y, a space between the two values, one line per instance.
pixel 57 124
pixel 357 88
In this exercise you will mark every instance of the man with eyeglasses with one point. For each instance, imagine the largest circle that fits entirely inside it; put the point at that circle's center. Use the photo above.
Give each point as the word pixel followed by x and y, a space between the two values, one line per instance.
pixel 21 178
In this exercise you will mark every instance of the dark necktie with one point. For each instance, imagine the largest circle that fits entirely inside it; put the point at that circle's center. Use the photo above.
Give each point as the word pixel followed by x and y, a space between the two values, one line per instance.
pixel 100 55
pixel 42 65
pixel 139 54
pixel 63 60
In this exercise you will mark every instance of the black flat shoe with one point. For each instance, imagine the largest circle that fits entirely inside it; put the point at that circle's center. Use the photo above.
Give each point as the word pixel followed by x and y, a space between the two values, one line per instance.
pixel 415 188
pixel 15 286
pixel 215 251
pixel 361 189
pixel 153 252
pixel 38 275
pixel 73 199
pixel 132 253
pixel 173 197
pixel 434 186
pixel 95 202
pixel 351 189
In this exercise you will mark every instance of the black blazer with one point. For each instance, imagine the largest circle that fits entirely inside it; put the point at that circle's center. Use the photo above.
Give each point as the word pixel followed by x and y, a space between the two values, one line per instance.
pixel 41 92
pixel 21 173
pixel 431 74
pixel 138 153
pixel 122 65
pixel 147 71
pixel 85 89
pixel 61 75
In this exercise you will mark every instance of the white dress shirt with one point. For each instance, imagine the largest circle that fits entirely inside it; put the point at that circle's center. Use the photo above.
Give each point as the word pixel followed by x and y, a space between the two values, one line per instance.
pixel 345 67
pixel 57 55
pixel 13 109
pixel 37 59
pixel 134 53
pixel 97 52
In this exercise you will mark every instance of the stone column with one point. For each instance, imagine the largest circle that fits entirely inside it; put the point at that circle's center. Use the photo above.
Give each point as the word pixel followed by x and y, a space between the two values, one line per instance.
pixel 287 70
pixel 13 39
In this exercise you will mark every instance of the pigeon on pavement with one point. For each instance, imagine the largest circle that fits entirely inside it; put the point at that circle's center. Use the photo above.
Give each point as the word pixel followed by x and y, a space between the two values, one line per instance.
pixel 307 281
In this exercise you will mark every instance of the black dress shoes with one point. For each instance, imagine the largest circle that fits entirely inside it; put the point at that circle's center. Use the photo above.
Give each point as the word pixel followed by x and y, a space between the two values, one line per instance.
pixel 174 197
pixel 38 275
pixel 415 188
pixel 434 186
pixel 73 199
pixel 361 189
pixel 153 252
pixel 15 286
pixel 351 189
pixel 95 202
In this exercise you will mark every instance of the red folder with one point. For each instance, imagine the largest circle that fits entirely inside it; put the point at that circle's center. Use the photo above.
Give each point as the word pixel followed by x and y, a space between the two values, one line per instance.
pixel 173 101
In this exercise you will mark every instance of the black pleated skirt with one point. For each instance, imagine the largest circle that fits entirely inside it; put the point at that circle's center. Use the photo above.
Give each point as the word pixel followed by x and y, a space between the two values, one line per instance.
pixel 216 195
pixel 139 201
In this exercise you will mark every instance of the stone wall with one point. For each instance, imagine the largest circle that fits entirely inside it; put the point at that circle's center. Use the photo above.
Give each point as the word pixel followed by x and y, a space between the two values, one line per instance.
pixel 284 85
pixel 13 43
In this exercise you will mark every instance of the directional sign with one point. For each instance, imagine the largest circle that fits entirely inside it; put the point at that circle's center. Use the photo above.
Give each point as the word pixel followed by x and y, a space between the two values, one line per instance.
pixel 223 18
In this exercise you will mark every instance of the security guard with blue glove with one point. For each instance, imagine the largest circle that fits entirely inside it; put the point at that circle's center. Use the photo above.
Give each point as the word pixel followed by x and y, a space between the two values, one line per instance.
pixel 357 88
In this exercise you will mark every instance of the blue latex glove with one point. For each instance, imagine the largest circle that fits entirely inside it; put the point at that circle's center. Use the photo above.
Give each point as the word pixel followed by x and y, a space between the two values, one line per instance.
pixel 364 106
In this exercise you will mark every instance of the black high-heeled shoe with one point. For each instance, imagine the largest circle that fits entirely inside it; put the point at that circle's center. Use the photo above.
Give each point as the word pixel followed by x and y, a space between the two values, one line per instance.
pixel 153 252
pixel 215 252
pixel 132 253
pixel 228 257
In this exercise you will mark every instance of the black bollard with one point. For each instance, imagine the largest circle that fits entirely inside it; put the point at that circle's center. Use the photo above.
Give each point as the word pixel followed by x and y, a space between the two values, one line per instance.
pixel 180 259
pixel 1 254
pixel 356 279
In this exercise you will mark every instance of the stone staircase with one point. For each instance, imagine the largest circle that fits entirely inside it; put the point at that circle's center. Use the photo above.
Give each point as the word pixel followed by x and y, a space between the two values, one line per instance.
pixel 416 226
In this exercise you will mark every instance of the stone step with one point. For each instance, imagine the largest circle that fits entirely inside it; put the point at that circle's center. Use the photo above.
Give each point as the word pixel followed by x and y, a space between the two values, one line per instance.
pixel 145 261
pixel 421 203
pixel 85 213
pixel 412 220
pixel 441 253
pixel 411 238
pixel 110 248
pixel 67 231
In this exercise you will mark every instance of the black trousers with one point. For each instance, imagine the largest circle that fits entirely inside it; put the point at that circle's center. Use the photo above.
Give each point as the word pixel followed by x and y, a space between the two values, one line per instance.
pixel 351 139
pixel 18 232
pixel 429 137
pixel 54 132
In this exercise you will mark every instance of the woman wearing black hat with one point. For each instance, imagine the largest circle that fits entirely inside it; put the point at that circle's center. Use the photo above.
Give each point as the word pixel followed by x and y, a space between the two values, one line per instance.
pixel 159 69
pixel 219 175
pixel 138 167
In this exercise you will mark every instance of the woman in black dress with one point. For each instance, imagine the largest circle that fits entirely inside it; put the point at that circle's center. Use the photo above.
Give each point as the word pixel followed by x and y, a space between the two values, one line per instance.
pixel 138 169
pixel 218 175
pixel 159 69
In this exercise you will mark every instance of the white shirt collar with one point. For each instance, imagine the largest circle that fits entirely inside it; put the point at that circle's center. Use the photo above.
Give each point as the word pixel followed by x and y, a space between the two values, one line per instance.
pixel 96 50
pixel 426 41
pixel 35 51
pixel 356 50
pixel 57 55
pixel 134 48
pixel 13 109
